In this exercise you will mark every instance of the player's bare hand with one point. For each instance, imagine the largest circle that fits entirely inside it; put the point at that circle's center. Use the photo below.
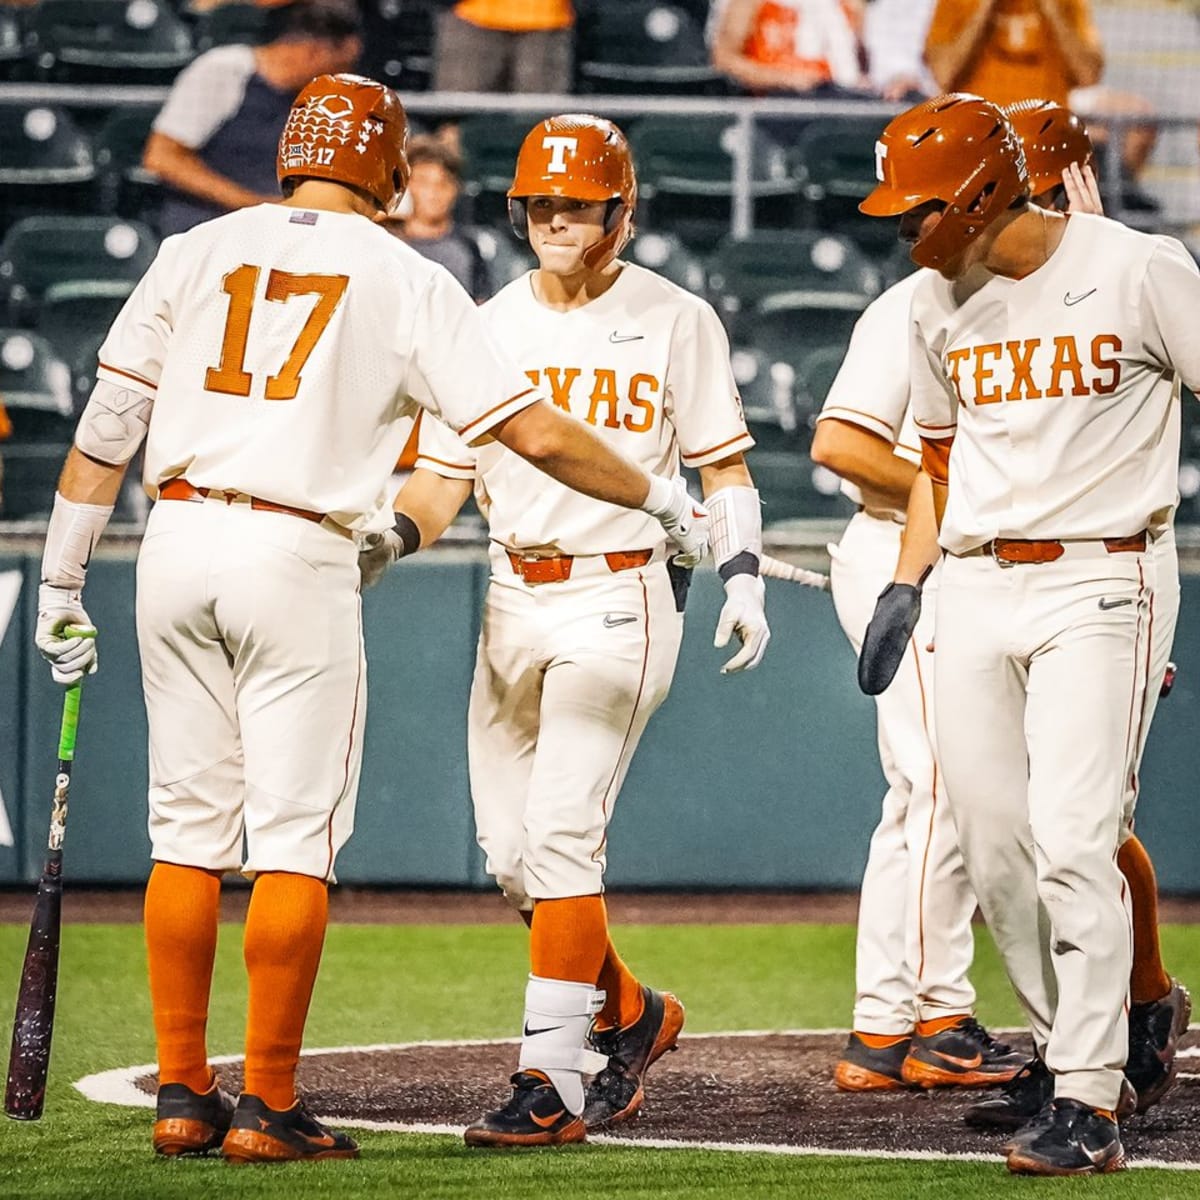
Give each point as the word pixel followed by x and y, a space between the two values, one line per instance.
pixel 70 658
pixel 891 627
pixel 683 517
pixel 744 614
pixel 1083 192
pixel 380 552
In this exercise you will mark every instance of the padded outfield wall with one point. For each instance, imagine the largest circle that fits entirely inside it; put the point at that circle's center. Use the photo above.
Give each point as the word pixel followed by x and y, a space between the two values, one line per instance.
pixel 763 780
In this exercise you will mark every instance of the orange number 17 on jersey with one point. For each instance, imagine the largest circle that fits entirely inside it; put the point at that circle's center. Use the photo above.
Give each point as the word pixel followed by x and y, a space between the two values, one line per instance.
pixel 230 375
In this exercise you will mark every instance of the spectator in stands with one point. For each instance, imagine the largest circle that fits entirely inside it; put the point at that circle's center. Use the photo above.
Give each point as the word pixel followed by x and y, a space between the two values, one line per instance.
pixel 505 46
pixel 5 434
pixel 1010 50
pixel 214 142
pixel 428 226
pixel 894 36
pixel 788 47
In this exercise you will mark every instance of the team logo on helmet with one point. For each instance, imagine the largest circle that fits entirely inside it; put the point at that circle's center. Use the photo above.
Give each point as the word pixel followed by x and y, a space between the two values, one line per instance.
pixel 559 148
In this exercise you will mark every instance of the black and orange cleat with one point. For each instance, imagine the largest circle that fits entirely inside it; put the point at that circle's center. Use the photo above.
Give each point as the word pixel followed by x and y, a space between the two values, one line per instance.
pixel 618 1091
pixel 264 1135
pixel 535 1115
pixel 959 1052
pixel 1069 1138
pixel 872 1063
pixel 1154 1032
pixel 187 1122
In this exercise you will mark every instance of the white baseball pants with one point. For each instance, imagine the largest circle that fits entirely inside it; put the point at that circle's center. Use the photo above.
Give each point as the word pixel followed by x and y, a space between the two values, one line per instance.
pixel 1040 674
pixel 566 677
pixel 915 944
pixel 250 634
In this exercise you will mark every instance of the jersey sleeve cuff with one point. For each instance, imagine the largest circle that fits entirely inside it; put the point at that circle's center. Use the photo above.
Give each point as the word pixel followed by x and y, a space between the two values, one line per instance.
pixel 447 470
pixel 910 454
pixel 483 425
pixel 737 444
pixel 123 378
pixel 864 420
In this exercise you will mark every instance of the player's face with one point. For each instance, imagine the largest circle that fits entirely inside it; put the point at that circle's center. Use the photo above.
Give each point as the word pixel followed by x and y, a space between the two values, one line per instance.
pixel 920 222
pixel 561 231
pixel 433 191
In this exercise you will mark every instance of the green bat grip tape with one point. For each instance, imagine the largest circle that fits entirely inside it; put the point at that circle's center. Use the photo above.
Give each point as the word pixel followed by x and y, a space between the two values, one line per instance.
pixel 70 716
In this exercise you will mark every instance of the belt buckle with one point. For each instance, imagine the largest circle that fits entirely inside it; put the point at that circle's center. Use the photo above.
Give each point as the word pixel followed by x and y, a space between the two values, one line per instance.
pixel 1001 561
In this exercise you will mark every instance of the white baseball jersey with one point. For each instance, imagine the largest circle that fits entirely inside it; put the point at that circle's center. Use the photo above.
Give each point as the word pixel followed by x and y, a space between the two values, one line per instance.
pixel 871 388
pixel 1063 386
pixel 646 365
pixel 287 352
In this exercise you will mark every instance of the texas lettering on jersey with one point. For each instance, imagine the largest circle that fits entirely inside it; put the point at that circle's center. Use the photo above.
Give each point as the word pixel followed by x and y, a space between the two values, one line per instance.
pixel 602 396
pixel 1035 368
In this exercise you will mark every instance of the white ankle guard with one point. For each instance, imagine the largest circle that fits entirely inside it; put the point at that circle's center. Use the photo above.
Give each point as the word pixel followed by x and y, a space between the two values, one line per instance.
pixel 558 1014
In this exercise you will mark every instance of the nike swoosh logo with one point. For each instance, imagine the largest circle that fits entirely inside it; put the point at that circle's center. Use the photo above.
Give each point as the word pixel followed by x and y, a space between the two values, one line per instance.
pixel 324 1142
pixel 1107 604
pixel 1069 300
pixel 616 338
pixel 546 1122
pixel 967 1064
pixel 1097 1156
pixel 611 622
pixel 549 1029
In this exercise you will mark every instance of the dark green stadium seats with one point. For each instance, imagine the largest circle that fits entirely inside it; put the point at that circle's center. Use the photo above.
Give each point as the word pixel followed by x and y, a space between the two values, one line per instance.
pixel 36 388
pixel 126 187
pixel 507 259
pixel 232 24
pixel 685 173
pixel 12 45
pixel 489 146
pixel 669 257
pixel 44 161
pixel 126 41
pixel 767 389
pixel 789 290
pixel 815 375
pixel 643 46
pixel 70 258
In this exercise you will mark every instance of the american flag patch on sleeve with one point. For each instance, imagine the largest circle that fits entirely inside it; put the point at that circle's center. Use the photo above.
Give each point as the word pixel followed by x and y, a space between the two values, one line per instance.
pixel 303 218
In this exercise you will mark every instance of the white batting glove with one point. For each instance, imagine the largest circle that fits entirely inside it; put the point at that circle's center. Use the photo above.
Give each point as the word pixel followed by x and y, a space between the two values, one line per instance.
pixel 744 613
pixel 70 658
pixel 381 551
pixel 683 517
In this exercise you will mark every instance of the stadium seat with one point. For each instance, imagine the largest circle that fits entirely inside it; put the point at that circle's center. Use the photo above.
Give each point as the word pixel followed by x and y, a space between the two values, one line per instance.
pixel 507 259
pixel 232 24
pixel 788 290
pixel 126 187
pixel 685 172
pixel 815 376
pixel 73 319
pixel 72 258
pixel 643 46
pixel 41 149
pixel 399 38
pixel 489 146
pixel 130 41
pixel 12 45
pixel 670 258
pixel 36 386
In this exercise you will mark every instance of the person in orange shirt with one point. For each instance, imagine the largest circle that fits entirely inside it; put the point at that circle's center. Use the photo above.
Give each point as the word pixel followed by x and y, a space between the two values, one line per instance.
pixel 1012 50
pixel 5 433
pixel 505 46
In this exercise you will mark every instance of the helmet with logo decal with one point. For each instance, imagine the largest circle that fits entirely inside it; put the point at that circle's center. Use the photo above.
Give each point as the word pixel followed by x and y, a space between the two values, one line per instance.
pixel 350 130
pixel 959 149
pixel 1053 138
pixel 583 158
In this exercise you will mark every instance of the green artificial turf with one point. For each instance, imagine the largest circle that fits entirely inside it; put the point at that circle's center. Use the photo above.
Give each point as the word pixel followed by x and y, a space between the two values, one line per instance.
pixel 386 984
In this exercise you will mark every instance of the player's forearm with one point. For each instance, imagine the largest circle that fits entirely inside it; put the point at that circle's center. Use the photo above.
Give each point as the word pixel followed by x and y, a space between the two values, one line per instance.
pixel 431 502
pixel 919 549
pixel 728 472
pixel 86 481
pixel 186 171
pixel 1085 61
pixel 949 61
pixel 865 460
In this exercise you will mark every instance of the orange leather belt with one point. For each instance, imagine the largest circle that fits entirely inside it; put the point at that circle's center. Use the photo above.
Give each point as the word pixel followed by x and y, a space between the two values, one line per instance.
pixel 557 568
pixel 1017 550
pixel 180 489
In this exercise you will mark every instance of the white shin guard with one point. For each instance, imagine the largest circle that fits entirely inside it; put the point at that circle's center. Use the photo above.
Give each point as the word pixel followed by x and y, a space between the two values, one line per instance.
pixel 558 1014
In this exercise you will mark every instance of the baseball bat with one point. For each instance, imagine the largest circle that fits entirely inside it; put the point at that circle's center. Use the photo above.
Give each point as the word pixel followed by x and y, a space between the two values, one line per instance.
pixel 33 1025
pixel 774 568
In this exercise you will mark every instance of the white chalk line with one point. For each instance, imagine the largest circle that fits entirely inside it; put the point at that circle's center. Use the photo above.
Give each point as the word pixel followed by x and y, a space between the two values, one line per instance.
pixel 117 1086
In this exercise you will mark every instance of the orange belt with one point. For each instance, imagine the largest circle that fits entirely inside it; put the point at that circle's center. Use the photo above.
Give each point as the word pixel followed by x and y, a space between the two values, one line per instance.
pixel 180 489
pixel 557 568
pixel 1017 550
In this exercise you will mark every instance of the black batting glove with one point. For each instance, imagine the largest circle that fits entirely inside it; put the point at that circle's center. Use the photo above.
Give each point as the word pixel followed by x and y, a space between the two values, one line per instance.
pixel 891 627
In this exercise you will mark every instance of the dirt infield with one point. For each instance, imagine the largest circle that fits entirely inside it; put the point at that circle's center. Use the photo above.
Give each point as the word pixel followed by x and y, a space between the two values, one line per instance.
pixel 771 1089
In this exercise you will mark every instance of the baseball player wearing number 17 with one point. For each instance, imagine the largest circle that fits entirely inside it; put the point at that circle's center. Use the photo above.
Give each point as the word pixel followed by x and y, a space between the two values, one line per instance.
pixel 1046 357
pixel 581 625
pixel 273 361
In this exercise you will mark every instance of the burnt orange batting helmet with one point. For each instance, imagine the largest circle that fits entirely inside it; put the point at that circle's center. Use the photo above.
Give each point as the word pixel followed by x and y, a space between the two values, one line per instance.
pixel 1053 138
pixel 959 149
pixel 350 130
pixel 580 157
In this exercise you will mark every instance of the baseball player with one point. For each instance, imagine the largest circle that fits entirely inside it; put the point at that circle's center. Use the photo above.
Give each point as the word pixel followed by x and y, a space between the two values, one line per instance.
pixel 583 615
pixel 1046 357
pixel 273 360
